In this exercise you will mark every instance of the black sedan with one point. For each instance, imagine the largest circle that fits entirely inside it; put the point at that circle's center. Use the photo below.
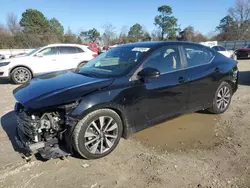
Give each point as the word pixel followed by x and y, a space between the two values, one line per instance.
pixel 120 92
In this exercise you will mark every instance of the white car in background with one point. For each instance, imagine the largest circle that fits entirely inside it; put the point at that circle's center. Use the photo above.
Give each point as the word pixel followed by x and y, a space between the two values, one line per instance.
pixel 51 58
pixel 225 52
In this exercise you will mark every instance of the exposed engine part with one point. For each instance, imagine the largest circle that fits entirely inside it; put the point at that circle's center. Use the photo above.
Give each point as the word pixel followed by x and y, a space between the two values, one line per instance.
pixel 39 132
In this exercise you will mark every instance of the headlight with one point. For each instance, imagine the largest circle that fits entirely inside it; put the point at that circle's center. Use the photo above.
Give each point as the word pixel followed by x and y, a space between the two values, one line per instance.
pixel 70 105
pixel 4 64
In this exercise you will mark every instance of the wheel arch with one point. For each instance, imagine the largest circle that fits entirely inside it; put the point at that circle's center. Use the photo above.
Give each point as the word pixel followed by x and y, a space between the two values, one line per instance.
pixel 120 110
pixel 17 66
pixel 229 80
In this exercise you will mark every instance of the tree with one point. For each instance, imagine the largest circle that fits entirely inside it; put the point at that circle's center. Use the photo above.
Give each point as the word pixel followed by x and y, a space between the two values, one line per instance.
pixel 79 40
pixel 109 34
pixel 166 22
pixel 236 25
pixel 6 39
pixel 241 16
pixel 34 22
pixel 156 35
pixel 227 28
pixel 189 34
pixel 12 23
pixel 70 37
pixel 146 37
pixel 123 36
pixel 56 29
pixel 90 35
pixel 135 33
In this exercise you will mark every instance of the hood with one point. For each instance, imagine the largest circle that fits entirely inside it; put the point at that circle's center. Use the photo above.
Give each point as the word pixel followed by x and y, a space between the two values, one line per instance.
pixel 57 88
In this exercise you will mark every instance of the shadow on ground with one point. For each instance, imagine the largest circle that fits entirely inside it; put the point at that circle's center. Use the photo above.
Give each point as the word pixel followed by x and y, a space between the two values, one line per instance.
pixel 244 78
pixel 8 122
pixel 4 81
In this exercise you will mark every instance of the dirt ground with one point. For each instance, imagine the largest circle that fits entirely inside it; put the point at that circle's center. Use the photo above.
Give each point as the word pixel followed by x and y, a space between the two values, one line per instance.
pixel 197 150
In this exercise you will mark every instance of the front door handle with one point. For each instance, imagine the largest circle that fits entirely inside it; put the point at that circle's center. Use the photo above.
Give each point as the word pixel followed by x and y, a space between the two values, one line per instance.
pixel 217 70
pixel 181 80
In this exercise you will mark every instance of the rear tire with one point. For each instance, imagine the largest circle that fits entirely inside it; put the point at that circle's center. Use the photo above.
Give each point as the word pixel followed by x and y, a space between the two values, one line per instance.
pixel 97 134
pixel 21 75
pixel 222 99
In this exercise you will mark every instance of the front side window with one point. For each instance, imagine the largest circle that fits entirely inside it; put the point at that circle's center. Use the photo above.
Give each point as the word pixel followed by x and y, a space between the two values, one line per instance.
pixel 165 59
pixel 197 55
pixel 33 51
pixel 114 62
pixel 49 51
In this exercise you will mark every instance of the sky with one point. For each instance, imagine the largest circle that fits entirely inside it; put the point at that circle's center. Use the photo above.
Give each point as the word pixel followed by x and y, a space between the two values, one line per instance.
pixel 203 15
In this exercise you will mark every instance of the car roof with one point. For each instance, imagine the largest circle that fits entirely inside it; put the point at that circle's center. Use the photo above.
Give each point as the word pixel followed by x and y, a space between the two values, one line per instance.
pixel 156 44
pixel 73 45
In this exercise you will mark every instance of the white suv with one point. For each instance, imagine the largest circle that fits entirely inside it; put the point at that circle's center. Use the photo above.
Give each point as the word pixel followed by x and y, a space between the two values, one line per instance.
pixel 54 57
pixel 225 52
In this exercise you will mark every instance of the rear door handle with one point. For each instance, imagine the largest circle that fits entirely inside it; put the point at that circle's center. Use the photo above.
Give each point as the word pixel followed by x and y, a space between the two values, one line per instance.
pixel 181 80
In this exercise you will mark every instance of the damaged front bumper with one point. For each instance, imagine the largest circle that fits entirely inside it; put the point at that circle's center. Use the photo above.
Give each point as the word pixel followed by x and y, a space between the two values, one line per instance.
pixel 48 150
pixel 30 140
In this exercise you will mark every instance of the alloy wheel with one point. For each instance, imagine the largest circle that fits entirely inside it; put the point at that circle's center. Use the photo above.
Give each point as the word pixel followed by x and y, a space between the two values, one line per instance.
pixel 21 75
pixel 101 135
pixel 223 98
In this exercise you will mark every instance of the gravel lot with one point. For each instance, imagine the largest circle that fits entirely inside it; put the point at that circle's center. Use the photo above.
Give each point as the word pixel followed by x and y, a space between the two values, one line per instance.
pixel 197 150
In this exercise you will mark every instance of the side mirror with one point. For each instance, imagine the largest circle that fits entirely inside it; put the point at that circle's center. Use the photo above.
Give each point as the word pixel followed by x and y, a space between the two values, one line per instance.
pixel 39 55
pixel 148 73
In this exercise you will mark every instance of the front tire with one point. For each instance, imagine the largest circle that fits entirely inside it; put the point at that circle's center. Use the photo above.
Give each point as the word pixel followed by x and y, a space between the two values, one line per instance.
pixel 222 98
pixel 97 134
pixel 21 75
pixel 81 64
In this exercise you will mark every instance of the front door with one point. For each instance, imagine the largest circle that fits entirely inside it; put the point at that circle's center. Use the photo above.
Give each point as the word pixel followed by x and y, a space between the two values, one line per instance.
pixel 160 98
pixel 44 61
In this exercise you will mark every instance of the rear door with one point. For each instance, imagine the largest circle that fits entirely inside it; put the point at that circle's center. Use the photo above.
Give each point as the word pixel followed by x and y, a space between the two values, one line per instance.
pixel 68 58
pixel 202 74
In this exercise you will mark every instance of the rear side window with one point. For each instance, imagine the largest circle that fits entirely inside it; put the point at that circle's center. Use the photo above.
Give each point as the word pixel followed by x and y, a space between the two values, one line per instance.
pixel 79 50
pixel 197 55
pixel 67 50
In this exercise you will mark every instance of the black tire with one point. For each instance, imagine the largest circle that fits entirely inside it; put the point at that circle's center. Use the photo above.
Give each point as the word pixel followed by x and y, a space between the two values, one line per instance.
pixel 216 108
pixel 81 64
pixel 80 131
pixel 21 75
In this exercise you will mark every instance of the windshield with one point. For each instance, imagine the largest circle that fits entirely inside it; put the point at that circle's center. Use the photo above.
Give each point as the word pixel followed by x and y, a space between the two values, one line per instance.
pixel 114 62
pixel 33 51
